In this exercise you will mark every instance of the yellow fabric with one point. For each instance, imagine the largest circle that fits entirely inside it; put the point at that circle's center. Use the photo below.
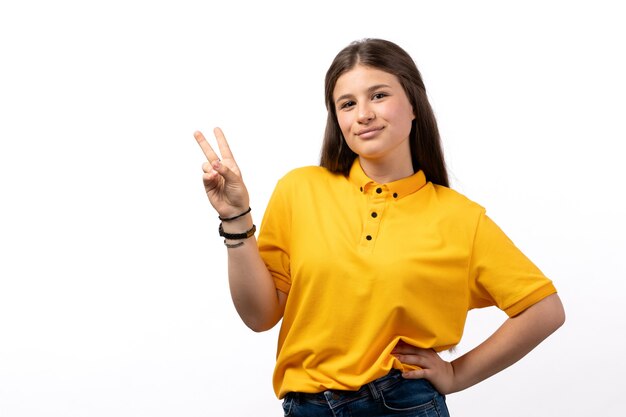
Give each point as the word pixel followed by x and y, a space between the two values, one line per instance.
pixel 432 256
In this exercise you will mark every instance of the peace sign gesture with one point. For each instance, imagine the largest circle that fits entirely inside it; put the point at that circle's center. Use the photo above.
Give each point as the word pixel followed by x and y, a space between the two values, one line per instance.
pixel 222 179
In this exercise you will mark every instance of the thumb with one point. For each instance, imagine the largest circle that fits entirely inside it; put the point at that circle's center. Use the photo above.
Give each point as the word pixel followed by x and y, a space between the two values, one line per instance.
pixel 419 373
pixel 225 172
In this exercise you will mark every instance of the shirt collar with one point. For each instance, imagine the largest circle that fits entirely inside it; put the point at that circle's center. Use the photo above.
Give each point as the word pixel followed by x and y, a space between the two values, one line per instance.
pixel 400 188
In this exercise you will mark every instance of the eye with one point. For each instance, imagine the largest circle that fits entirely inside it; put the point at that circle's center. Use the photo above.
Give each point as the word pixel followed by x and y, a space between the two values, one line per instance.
pixel 378 96
pixel 346 105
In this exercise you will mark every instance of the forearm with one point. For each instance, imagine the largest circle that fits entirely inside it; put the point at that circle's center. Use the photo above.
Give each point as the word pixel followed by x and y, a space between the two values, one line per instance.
pixel 252 288
pixel 511 342
pixel 251 285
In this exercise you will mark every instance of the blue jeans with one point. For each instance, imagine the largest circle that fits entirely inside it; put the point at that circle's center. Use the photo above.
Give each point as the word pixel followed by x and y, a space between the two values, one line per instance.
pixel 390 395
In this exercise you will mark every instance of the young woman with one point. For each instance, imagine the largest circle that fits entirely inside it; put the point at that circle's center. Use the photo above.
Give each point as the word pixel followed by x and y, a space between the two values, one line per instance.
pixel 370 260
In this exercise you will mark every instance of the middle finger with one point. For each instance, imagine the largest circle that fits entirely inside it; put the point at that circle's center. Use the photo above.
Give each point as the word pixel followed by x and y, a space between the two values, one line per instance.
pixel 206 148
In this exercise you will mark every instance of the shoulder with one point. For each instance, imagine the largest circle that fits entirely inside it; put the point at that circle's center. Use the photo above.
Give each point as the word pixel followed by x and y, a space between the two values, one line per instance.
pixel 454 198
pixel 307 175
pixel 452 203
pixel 306 172
pixel 305 186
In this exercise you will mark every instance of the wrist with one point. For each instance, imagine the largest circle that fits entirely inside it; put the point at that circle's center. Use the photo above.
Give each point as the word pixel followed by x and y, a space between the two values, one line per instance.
pixel 237 239
pixel 237 236
pixel 240 225
pixel 461 378
pixel 231 217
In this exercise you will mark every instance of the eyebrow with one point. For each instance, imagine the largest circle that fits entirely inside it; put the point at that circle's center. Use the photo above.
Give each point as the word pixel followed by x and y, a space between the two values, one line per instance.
pixel 369 90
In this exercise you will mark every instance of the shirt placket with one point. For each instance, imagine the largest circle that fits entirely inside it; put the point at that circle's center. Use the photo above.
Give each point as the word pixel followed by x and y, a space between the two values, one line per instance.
pixel 376 203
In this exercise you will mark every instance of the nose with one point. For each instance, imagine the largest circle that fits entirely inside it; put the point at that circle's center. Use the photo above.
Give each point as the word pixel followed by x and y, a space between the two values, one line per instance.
pixel 366 114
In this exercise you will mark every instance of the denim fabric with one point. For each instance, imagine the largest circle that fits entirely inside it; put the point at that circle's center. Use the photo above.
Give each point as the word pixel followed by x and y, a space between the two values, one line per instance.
pixel 390 395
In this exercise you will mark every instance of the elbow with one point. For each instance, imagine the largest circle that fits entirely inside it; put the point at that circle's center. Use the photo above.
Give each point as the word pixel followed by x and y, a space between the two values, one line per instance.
pixel 560 319
pixel 556 315
pixel 257 325
pixel 546 316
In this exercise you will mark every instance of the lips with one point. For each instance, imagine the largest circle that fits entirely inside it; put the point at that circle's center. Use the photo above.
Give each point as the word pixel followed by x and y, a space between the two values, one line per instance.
pixel 369 132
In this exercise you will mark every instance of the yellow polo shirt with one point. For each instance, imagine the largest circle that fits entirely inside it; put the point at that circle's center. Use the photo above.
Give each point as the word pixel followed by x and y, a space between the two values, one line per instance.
pixel 366 265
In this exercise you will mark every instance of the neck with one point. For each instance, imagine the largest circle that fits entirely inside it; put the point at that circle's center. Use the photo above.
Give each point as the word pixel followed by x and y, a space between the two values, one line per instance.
pixel 385 172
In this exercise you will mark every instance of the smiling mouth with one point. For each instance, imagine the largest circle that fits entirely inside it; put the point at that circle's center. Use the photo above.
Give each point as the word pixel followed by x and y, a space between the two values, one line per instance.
pixel 369 132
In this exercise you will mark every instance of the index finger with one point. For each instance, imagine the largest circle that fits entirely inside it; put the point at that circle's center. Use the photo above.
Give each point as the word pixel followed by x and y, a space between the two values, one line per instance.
pixel 406 349
pixel 222 143
pixel 206 148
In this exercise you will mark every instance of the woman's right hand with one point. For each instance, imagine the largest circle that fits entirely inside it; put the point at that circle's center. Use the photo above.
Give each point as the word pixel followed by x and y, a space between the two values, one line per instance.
pixel 222 179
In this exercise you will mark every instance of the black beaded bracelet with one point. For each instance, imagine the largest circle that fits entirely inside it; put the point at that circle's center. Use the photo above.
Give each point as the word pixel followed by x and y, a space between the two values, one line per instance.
pixel 237 236
pixel 233 245
pixel 235 217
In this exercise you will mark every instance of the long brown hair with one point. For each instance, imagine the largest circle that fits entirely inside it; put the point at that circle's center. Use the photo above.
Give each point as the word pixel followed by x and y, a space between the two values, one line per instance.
pixel 425 143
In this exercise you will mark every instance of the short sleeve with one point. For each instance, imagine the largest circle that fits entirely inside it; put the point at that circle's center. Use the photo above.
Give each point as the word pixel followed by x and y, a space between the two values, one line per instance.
pixel 274 237
pixel 501 275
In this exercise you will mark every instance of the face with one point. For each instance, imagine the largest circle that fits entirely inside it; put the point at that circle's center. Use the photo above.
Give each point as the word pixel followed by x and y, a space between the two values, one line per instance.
pixel 374 115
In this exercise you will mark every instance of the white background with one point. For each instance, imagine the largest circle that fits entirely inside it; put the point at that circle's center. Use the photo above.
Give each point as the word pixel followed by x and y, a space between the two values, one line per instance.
pixel 113 291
